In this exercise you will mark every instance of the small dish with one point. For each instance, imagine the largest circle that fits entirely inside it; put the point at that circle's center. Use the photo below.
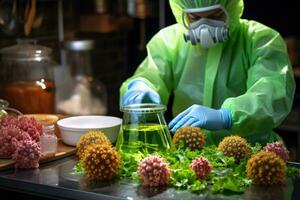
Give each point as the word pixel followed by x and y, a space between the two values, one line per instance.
pixel 44 119
pixel 72 128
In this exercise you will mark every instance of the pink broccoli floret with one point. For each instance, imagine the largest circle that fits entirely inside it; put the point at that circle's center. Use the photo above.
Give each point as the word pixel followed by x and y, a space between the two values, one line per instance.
pixel 27 154
pixel 20 139
pixel 279 149
pixel 154 171
pixel 202 167
pixel 32 127
pixel 9 120
pixel 6 149
pixel 9 135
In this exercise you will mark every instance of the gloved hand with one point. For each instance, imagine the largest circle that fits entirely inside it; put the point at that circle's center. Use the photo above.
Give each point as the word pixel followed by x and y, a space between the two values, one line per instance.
pixel 139 92
pixel 203 117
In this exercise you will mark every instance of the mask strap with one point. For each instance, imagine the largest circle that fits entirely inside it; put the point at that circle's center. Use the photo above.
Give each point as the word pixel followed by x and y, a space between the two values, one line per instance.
pixel 183 21
pixel 226 14
pixel 211 69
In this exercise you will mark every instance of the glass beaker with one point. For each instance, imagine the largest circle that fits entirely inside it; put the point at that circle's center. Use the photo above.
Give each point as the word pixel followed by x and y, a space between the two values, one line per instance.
pixel 144 129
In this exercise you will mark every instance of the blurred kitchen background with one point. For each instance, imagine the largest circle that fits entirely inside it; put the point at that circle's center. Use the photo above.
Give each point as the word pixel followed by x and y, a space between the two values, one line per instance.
pixel 119 31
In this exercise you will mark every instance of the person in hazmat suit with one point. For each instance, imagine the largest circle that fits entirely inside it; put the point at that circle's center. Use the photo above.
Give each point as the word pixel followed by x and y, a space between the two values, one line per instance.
pixel 228 75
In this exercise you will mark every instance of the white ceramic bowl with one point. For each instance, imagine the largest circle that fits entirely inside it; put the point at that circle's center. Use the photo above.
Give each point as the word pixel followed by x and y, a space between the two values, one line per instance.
pixel 72 128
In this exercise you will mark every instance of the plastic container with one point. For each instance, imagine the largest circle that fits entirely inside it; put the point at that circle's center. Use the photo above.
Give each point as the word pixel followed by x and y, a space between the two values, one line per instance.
pixel 144 129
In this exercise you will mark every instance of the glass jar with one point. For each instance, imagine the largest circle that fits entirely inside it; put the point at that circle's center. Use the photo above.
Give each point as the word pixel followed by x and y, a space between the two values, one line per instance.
pixel 3 106
pixel 81 94
pixel 144 129
pixel 48 140
pixel 5 110
pixel 26 77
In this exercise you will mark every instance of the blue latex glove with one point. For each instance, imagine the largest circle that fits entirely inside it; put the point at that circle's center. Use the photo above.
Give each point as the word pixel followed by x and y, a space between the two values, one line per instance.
pixel 140 92
pixel 203 117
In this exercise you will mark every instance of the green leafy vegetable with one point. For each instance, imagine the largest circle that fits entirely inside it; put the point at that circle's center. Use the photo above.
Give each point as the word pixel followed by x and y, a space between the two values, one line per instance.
pixel 293 172
pixel 129 164
pixel 78 168
pixel 226 174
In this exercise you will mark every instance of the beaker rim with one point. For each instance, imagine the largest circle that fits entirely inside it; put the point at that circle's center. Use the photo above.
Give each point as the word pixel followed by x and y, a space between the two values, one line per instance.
pixel 144 108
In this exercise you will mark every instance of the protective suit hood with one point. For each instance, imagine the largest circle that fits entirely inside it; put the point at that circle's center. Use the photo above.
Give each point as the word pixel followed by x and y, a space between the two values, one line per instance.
pixel 234 8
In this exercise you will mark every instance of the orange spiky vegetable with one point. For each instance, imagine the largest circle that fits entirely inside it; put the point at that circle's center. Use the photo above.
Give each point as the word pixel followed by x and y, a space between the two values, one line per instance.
pixel 88 138
pixel 101 161
pixel 191 137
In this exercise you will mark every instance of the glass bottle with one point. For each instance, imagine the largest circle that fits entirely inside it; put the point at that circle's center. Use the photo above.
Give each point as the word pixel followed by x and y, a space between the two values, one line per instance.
pixel 48 140
pixel 26 77
pixel 144 129
pixel 82 95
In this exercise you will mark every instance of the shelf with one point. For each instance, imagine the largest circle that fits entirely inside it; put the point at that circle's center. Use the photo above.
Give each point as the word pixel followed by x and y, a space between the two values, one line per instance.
pixel 297 71
pixel 104 23
pixel 289 127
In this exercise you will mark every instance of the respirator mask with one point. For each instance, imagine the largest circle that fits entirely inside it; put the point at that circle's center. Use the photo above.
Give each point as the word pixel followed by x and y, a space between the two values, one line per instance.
pixel 205 31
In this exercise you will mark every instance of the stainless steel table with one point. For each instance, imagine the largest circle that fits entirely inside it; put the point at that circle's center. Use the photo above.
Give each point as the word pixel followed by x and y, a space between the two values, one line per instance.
pixel 56 180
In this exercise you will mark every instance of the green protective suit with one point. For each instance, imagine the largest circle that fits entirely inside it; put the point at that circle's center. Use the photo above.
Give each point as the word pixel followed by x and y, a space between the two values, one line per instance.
pixel 250 73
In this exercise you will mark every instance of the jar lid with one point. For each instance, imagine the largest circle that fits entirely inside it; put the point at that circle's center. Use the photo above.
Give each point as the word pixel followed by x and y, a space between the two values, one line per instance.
pixel 26 49
pixel 79 45
pixel 144 108
pixel 44 119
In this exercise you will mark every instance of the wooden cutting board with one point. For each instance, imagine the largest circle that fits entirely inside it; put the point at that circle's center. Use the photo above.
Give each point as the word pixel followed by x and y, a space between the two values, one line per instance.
pixel 62 151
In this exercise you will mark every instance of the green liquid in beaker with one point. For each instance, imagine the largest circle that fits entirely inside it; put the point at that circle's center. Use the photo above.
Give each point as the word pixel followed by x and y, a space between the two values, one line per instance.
pixel 147 138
